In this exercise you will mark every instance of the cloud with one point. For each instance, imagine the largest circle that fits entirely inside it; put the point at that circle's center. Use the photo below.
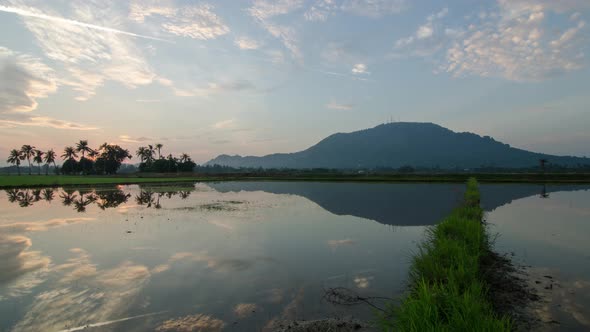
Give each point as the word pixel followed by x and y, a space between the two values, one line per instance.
pixel 374 8
pixel 246 43
pixel 129 139
pixel 60 20
pixel 24 80
pixel 225 124
pixel 196 21
pixel 215 88
pixel 321 10
pixel 89 56
pixel 42 121
pixel 514 41
pixel 339 107
pixel 360 68
pixel 264 10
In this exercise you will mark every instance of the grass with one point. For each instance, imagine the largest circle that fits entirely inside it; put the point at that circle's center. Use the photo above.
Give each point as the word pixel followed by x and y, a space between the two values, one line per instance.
pixel 11 181
pixel 61 180
pixel 447 291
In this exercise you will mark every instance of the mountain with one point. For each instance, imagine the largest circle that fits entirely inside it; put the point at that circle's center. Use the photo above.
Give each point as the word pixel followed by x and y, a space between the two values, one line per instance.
pixel 399 144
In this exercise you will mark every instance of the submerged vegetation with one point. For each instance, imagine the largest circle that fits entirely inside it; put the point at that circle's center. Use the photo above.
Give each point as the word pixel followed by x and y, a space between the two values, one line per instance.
pixel 448 290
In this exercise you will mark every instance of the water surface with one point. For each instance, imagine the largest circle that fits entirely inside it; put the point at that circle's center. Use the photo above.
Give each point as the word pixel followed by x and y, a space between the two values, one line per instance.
pixel 235 256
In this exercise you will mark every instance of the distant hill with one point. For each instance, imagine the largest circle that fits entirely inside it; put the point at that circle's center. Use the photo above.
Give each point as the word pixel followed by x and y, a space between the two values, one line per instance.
pixel 399 144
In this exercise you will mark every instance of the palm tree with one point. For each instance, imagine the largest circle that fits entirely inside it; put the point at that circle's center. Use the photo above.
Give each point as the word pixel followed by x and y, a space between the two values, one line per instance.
pixel 83 147
pixel 27 152
pixel 69 153
pixel 39 159
pixel 184 158
pixel 70 164
pixel 141 153
pixel 49 159
pixel 14 158
pixel 159 147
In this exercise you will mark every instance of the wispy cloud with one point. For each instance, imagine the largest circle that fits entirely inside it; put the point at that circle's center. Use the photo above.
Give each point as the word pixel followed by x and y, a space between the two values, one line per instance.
pixel 225 124
pixel 264 10
pixel 37 14
pixel 213 88
pixel 374 8
pixel 246 43
pixel 339 107
pixel 90 56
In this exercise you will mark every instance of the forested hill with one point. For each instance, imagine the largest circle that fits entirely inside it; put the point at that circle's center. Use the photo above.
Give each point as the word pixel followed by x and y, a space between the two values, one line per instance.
pixel 400 144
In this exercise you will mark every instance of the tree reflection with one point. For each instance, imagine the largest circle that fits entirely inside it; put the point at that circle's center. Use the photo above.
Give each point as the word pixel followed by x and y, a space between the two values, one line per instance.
pixel 111 198
pixel 145 198
pixel 81 198
pixel 48 194
pixel 68 197
pixel 85 200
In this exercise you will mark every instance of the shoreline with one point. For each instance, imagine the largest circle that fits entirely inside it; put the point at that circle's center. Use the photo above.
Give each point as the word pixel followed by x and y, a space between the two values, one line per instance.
pixel 32 181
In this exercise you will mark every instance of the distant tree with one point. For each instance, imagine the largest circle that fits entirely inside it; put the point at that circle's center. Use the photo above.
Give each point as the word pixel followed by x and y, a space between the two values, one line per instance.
pixel 159 147
pixel 185 163
pixel 14 158
pixel 50 157
pixel 85 164
pixel 39 159
pixel 542 163
pixel 28 151
pixel 83 147
pixel 70 164
pixel 110 158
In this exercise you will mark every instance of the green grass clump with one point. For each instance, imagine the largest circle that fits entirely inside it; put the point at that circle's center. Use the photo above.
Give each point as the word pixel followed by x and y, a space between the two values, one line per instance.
pixel 447 289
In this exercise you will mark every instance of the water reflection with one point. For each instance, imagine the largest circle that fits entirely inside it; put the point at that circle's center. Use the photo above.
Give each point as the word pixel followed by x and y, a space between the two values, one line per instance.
pixel 231 256
pixel 104 198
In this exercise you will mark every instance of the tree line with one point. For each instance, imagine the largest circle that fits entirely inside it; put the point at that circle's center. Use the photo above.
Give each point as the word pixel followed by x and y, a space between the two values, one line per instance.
pixel 106 159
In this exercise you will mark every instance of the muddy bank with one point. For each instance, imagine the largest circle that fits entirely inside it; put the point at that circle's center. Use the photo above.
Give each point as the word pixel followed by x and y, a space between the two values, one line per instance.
pixel 329 324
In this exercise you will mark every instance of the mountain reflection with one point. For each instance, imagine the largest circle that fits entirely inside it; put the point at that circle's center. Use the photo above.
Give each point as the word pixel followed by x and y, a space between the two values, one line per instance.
pixel 399 204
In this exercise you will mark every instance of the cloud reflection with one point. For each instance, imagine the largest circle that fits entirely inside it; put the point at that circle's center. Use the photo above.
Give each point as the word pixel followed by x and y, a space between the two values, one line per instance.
pixel 82 293
pixel 198 322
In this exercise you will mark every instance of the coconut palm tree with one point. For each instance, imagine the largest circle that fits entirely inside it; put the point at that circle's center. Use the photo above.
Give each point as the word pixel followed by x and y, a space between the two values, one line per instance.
pixel 50 157
pixel 69 153
pixel 83 147
pixel 70 164
pixel 141 153
pixel 39 159
pixel 184 158
pixel 28 151
pixel 14 158
pixel 159 147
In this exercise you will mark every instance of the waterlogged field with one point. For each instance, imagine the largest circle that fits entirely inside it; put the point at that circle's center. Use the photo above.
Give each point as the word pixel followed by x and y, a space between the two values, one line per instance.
pixel 550 233
pixel 241 256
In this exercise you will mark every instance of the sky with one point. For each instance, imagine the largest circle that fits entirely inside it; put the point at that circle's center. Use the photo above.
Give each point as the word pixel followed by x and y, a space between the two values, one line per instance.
pixel 253 77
